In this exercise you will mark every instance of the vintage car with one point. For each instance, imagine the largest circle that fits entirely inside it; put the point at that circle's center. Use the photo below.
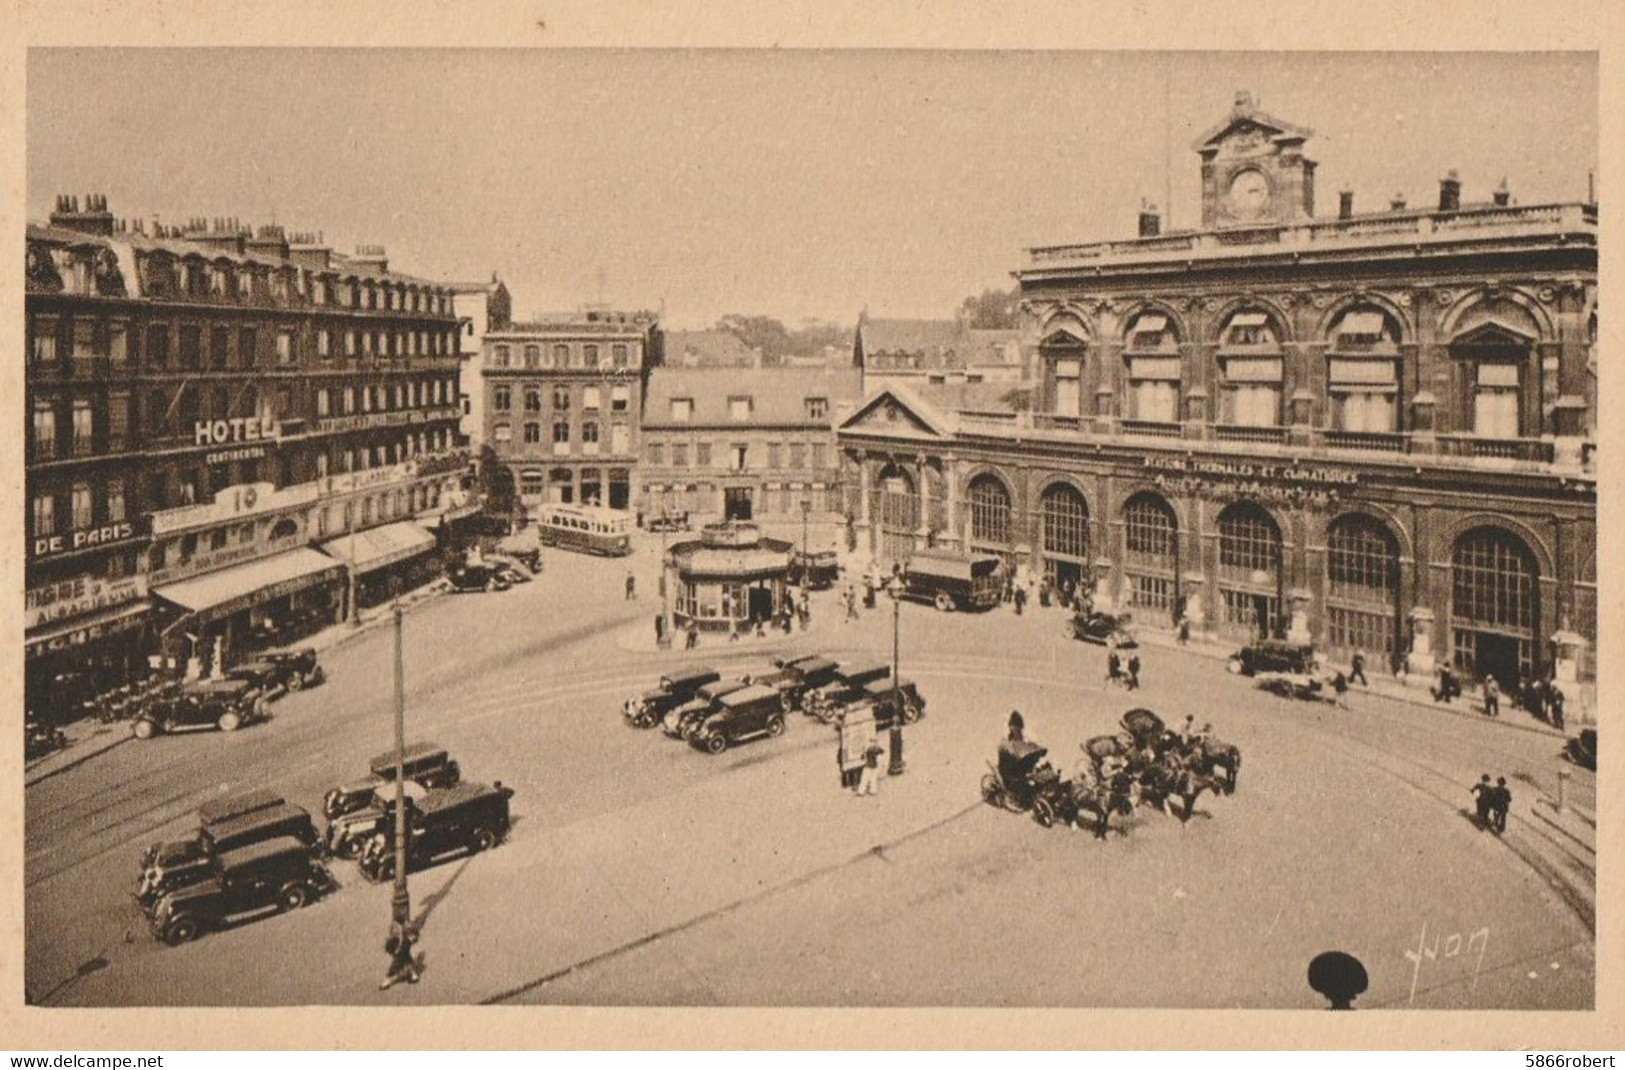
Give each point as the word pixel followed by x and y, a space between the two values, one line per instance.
pixel 953 581
pixel 680 723
pixel 826 702
pixel 181 862
pixel 667 520
pixel 277 873
pixel 817 570
pixel 675 689
pixel 1582 749
pixel 427 764
pixel 890 699
pixel 800 677
pixel 348 831
pixel 292 670
pixel 224 704
pixel 464 818
pixel 1102 628
pixel 1274 655
pixel 477 576
pixel 748 713
pixel 228 807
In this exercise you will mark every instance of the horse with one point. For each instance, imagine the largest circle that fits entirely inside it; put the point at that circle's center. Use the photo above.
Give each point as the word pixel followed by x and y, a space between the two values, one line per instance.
pixel 1211 755
pixel 1174 777
pixel 1103 798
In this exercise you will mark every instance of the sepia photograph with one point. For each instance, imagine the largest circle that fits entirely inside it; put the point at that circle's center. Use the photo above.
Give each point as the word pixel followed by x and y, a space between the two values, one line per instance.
pixel 1086 529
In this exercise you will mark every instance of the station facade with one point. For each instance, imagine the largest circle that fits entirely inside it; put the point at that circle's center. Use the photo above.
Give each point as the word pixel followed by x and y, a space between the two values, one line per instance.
pixel 1375 432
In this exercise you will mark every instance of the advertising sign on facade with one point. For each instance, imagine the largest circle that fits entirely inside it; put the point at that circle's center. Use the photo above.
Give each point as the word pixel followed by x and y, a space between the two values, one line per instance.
pixel 231 503
pixel 83 538
pixel 236 429
pixel 77 596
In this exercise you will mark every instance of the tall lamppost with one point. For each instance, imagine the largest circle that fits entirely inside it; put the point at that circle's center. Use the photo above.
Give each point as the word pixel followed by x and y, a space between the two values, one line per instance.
pixel 663 640
pixel 354 576
pixel 896 765
pixel 806 562
pixel 401 901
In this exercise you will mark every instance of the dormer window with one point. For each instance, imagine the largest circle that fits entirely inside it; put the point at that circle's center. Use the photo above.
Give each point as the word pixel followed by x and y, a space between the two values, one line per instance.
pixel 818 408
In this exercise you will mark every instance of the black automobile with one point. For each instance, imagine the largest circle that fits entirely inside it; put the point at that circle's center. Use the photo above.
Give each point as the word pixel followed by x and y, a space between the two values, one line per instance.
pixel 667 521
pixel 749 713
pixel 477 577
pixel 1102 628
pixel 1274 655
pixel 293 670
pixel 465 819
pixel 818 570
pixel 224 704
pixel 800 677
pixel 427 764
pixel 349 830
pixel 1582 749
pixel 680 723
pixel 277 874
pixel 675 689
pixel 891 699
pixel 228 807
pixel 183 862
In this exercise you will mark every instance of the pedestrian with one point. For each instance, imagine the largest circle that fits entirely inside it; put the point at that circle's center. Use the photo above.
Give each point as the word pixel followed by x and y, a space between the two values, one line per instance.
pixel 869 779
pixel 1447 688
pixel 1484 793
pixel 1044 593
pixel 403 964
pixel 1340 685
pixel 1114 666
pixel 693 639
pixel 851 603
pixel 1357 669
pixel 1492 697
pixel 660 629
pixel 1502 803
pixel 1554 700
pixel 1184 631
pixel 733 630
pixel 1021 599
pixel 1133 679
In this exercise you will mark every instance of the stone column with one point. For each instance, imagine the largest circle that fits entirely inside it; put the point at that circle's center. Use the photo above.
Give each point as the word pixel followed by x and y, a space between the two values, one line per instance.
pixel 950 482
pixel 921 472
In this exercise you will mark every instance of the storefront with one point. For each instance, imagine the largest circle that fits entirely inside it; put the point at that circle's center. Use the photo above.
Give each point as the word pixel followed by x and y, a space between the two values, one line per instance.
pixel 247 607
pixel 729 579
pixel 386 560
pixel 85 635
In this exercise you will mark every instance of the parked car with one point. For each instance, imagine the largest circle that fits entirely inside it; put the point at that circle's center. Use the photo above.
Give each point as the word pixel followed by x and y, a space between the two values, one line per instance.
pixel 182 862
pixel 275 874
pixel 477 577
pixel 1582 749
pixel 232 806
pixel 819 569
pixel 426 764
pixel 827 701
pixel 801 677
pixel 1274 655
pixel 757 710
pixel 674 689
pixel 952 581
pixel 225 704
pixel 464 818
pixel 294 670
pixel 348 831
pixel 891 699
pixel 1100 628
pixel 668 520
pixel 680 723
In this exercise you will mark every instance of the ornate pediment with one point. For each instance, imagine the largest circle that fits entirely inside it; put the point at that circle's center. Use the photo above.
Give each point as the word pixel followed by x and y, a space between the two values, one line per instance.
pixel 894 411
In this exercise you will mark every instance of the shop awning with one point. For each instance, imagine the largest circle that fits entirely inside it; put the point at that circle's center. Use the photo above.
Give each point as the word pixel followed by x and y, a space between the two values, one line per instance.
pixel 237 588
pixel 378 547
pixel 82 629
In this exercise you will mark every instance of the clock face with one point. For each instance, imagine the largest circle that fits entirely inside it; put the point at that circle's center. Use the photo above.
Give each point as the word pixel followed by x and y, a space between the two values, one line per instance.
pixel 1249 194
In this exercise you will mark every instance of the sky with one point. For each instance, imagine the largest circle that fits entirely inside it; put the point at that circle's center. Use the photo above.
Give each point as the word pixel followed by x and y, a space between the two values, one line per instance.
pixel 794 184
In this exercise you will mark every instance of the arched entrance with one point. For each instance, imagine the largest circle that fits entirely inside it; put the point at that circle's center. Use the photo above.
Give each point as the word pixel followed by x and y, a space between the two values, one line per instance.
pixel 1151 557
pixel 1249 572
pixel 1065 537
pixel 989 516
pixel 1362 588
pixel 1494 606
pixel 897 512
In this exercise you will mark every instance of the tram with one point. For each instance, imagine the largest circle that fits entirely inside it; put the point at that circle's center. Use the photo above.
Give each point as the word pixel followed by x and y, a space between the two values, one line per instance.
pixel 588 529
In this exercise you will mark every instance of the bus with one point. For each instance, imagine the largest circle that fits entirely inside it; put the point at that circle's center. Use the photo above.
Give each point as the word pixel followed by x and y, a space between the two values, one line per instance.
pixel 953 581
pixel 589 529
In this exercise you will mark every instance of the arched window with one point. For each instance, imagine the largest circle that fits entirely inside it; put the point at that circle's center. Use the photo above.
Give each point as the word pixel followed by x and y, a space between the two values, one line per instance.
pixel 1249 571
pixel 1251 381
pixel 1494 605
pixel 1066 522
pixel 1151 352
pixel 1362 373
pixel 1362 588
pixel 896 506
pixel 989 513
pixel 1151 557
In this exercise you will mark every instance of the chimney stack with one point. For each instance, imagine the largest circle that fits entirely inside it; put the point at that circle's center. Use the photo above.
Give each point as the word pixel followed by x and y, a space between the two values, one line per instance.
pixel 1450 193
pixel 95 219
pixel 1502 195
pixel 1345 204
pixel 1150 221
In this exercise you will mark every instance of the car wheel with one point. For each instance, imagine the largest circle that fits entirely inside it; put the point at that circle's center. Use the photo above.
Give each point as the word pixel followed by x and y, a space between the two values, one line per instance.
pixel 229 721
pixel 716 743
pixel 296 681
pixel 483 839
pixel 1233 666
pixel 292 897
pixel 144 729
pixel 944 602
pixel 181 930
pixel 1044 813
pixel 775 726
pixel 350 848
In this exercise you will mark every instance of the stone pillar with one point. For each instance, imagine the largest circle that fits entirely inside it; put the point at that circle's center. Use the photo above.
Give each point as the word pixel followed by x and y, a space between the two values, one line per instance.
pixel 923 529
pixel 1298 628
pixel 950 482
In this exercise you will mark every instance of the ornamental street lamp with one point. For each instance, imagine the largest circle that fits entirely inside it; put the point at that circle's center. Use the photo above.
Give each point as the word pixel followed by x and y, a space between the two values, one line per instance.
pixel 896 765
pixel 401 901
pixel 806 562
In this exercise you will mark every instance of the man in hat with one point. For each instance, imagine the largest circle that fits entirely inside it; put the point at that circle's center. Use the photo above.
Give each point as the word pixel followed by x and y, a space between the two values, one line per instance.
pixel 1484 792
pixel 1501 803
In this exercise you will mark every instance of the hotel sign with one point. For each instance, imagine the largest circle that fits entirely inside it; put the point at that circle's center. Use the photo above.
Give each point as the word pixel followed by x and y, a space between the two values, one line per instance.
pixel 237 429
pixel 83 539
pixel 78 596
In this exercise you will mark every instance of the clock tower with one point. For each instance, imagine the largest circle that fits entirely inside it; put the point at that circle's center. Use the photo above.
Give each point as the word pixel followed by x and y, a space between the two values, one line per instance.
pixel 1254 171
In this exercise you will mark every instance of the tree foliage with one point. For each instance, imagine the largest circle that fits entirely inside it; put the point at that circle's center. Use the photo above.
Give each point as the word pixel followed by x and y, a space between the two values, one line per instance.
pixel 776 341
pixel 992 310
